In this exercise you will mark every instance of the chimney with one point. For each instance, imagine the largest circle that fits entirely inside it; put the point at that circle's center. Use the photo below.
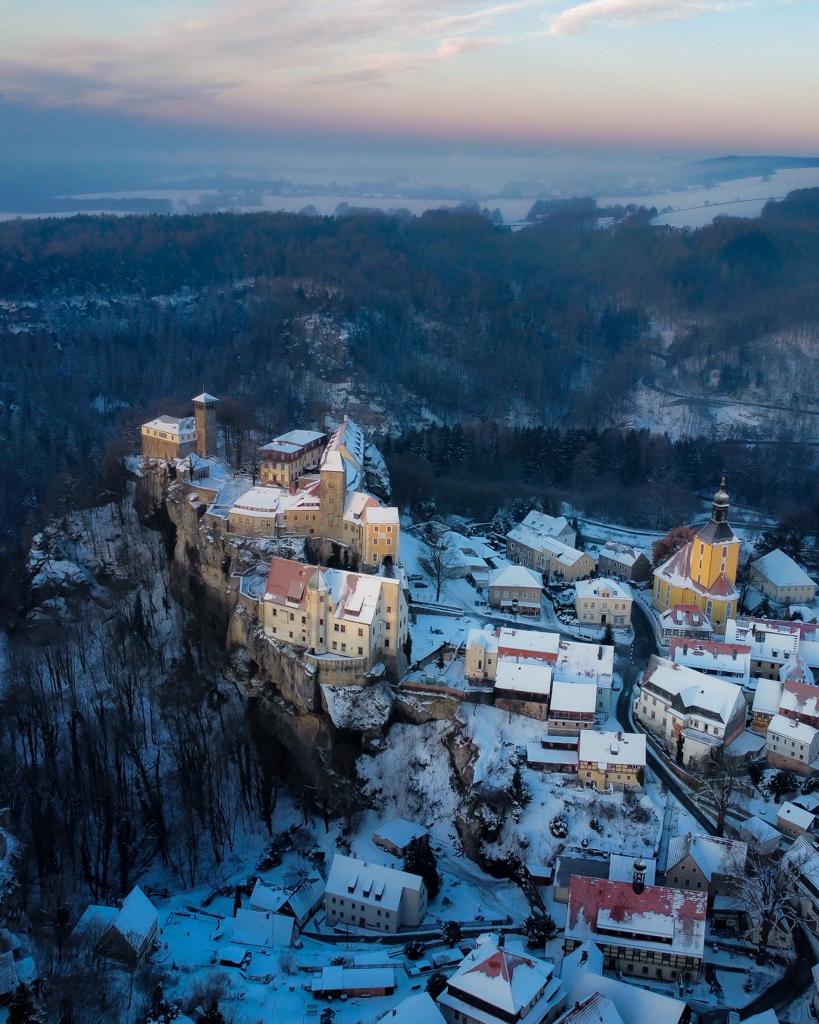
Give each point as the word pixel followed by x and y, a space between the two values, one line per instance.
pixel 685 648
pixel 501 941
pixel 639 880
pixel 600 653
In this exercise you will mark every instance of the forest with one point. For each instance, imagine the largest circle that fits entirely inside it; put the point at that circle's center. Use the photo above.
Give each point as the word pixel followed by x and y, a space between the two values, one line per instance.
pixel 105 321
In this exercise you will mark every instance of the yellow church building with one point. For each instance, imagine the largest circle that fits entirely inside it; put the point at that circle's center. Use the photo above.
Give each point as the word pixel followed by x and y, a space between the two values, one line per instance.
pixel 704 571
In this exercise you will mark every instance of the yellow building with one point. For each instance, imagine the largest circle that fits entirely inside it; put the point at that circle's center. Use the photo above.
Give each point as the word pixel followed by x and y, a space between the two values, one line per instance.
pixel 704 571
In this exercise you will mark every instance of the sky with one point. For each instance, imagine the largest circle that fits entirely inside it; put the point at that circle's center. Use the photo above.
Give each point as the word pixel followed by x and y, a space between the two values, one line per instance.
pixel 444 87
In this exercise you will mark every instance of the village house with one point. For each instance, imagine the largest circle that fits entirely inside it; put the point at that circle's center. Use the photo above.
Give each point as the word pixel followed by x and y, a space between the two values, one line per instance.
pixel 524 540
pixel 611 760
pixel 416 1009
pixel 795 821
pixel 262 928
pixel 556 752
pixel 299 901
pixel 731 662
pixel 357 619
pixel 792 745
pixel 685 620
pixel 767 695
pixel 623 562
pixel 581 973
pixel 353 982
pixel 705 863
pixel 602 602
pixel 373 896
pixel 572 707
pixel 588 863
pixel 772 643
pixel 703 571
pixel 693 713
pixel 571 661
pixel 759 835
pixel 395 836
pixel 172 437
pixel 484 648
pixel 781 579
pixel 499 985
pixel 287 457
pixel 517 590
pixel 124 933
pixel 523 688
pixel 647 931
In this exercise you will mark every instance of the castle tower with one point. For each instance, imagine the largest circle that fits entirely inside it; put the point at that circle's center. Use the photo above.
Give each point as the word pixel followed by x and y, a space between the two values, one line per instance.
pixel 205 410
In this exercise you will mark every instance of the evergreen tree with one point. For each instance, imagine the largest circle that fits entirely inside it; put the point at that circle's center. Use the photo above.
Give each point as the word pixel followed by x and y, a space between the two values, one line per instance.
pixel 420 860
pixel 22 1008
pixel 608 635
pixel 436 983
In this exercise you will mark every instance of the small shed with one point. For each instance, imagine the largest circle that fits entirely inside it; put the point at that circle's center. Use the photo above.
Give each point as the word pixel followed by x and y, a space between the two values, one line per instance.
pixel 395 836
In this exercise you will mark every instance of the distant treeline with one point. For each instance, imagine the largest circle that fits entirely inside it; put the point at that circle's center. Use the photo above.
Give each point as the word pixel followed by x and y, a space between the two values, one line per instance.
pixel 551 324
pixel 628 476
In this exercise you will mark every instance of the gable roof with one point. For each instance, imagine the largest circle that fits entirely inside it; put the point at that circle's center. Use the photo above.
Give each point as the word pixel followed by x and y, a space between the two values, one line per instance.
pixel 691 690
pixel 676 570
pixel 658 917
pixel 780 570
pixel 595 1009
pixel 711 854
pixel 287 580
pixel 136 918
pixel 356 879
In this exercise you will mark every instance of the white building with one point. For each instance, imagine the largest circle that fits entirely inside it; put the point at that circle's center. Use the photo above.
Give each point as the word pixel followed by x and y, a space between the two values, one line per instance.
pixel 603 602
pixel 714 658
pixel 395 836
pixel 373 896
pixel 704 863
pixel 795 820
pixel 783 580
pixel 793 745
pixel 578 662
pixel 499 985
pixel 676 701
pixel 572 707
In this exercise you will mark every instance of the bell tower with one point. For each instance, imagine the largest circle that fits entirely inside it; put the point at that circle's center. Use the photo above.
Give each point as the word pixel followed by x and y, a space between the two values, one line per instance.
pixel 205 411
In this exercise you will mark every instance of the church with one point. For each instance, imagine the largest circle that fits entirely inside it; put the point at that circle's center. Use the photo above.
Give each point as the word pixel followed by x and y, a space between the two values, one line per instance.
pixel 704 571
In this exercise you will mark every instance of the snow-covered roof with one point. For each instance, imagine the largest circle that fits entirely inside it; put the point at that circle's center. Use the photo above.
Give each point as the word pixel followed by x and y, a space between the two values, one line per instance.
pixel 417 1009
pixel 767 696
pixel 354 595
pixel 538 527
pixel 791 814
pixel 582 972
pixel 262 928
pixel 399 831
pixel 516 576
pixel 775 642
pixel 579 662
pixel 790 728
pixel 293 442
pixel 525 677
pixel 712 855
pixel 712 656
pixel 621 868
pixel 381 514
pixel 172 424
pixel 603 588
pixel 692 690
pixel 353 979
pixel 301 899
pixel 612 748
pixel 656 915
pixel 803 859
pixel 623 554
pixel 685 616
pixel 526 642
pixel 800 697
pixel 374 884
pixel 136 918
pixel 577 697
pixel 501 978
pixel 537 754
pixel 263 501
pixel 594 1009
pixel 757 829
pixel 204 397
pixel 780 570
pixel 484 637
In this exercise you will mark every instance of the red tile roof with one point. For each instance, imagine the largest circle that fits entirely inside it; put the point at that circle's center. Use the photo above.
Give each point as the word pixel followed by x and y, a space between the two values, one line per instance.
pixel 711 646
pixel 288 580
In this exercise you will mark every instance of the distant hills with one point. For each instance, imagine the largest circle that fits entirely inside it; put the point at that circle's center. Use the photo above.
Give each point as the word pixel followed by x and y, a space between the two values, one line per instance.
pixel 728 168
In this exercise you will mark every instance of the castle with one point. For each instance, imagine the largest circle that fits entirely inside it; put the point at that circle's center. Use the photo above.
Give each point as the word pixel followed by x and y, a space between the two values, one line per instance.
pixel 310 485
pixel 703 572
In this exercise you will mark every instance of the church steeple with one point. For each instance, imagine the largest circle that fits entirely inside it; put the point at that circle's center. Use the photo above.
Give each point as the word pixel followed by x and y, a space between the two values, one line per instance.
pixel 719 511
